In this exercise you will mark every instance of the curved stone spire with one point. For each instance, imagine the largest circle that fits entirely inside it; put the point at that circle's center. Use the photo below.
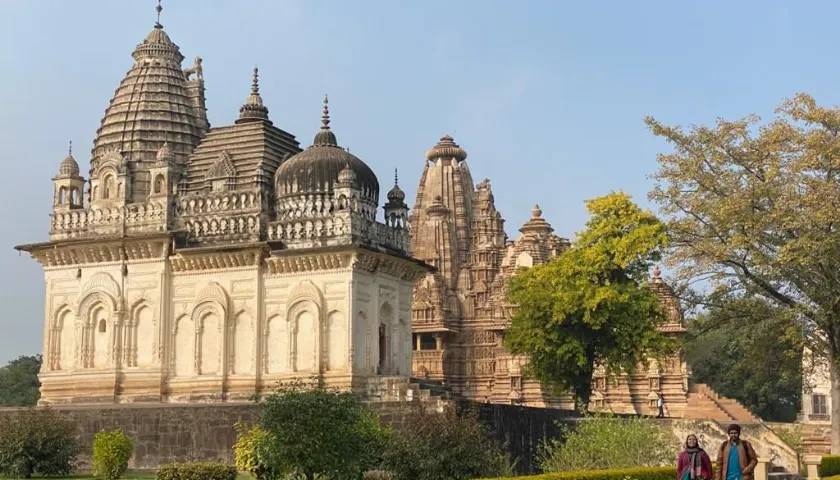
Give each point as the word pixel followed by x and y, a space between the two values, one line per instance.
pixel 253 108
pixel 325 136
pixel 155 103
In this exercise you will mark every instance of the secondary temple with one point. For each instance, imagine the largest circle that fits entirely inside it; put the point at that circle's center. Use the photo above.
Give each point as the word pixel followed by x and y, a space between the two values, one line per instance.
pixel 199 263
pixel 460 310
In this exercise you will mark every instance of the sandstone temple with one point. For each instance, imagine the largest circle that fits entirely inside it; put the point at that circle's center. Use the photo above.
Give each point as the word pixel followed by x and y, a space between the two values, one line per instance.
pixel 207 264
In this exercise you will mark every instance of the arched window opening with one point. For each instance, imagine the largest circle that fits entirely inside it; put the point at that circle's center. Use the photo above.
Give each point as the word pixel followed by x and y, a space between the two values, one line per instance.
pixel 74 196
pixel 108 187
pixel 62 193
pixel 102 326
pixel 159 184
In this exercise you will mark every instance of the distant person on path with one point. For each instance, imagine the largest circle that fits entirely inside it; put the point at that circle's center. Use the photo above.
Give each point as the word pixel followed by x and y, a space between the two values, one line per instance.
pixel 660 404
pixel 693 463
pixel 736 458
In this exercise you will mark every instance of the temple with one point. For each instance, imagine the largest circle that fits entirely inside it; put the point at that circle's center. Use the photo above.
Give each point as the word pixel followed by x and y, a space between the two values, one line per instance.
pixel 460 311
pixel 209 264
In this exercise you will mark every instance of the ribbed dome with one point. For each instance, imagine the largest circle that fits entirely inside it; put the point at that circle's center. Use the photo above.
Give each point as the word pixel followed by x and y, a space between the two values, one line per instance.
pixel 446 148
pixel 68 167
pixel 396 195
pixel 317 168
pixel 151 106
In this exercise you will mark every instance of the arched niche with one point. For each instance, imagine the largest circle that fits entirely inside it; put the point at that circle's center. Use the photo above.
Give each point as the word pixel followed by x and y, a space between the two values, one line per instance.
pixel 304 316
pixel 142 336
pixel 64 346
pixel 385 338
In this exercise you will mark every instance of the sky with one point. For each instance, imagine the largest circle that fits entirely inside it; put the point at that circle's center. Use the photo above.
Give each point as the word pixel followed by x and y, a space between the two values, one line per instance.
pixel 547 97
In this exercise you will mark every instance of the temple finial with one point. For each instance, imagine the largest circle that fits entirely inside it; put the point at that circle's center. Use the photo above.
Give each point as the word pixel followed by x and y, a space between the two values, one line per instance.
pixel 396 178
pixel 70 148
pixel 325 118
pixel 255 83
pixel 158 8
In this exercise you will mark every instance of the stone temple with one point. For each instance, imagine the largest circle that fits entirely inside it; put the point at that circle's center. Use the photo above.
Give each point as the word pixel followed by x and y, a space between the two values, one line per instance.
pixel 198 263
pixel 460 310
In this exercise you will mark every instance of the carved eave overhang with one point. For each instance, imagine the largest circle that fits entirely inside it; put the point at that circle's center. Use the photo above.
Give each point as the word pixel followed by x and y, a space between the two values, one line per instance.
pixel 62 253
pixel 219 257
pixel 353 257
pixel 672 328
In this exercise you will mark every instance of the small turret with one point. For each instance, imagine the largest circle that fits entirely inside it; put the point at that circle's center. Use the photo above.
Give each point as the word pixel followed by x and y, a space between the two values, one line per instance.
pixel 396 211
pixel 68 185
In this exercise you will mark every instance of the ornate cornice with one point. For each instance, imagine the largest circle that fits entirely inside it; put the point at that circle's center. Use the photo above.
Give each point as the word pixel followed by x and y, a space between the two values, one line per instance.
pixel 214 259
pixel 100 250
pixel 312 262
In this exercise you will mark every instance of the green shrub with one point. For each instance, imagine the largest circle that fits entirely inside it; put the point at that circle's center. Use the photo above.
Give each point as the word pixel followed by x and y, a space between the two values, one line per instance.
pixel 829 465
pixel 451 445
pixel 196 471
pixel 111 451
pixel 249 451
pixel 640 473
pixel 606 442
pixel 36 442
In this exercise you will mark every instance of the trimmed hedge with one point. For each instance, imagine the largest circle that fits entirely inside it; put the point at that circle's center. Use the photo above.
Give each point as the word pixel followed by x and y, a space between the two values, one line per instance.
pixel 829 465
pixel 197 471
pixel 640 473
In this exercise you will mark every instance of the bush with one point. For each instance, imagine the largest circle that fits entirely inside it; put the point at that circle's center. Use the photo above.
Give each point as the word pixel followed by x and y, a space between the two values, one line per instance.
pixel 249 451
pixel 450 445
pixel 829 465
pixel 605 442
pixel 196 471
pixel 317 433
pixel 641 473
pixel 111 451
pixel 36 442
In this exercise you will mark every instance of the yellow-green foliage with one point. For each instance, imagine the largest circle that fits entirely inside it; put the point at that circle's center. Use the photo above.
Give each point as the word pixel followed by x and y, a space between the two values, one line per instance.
pixel 640 473
pixel 111 451
pixel 248 451
pixel 647 473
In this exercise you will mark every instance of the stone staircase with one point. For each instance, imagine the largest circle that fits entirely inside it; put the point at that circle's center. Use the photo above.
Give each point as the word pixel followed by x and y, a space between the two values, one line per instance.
pixel 705 403
pixel 816 438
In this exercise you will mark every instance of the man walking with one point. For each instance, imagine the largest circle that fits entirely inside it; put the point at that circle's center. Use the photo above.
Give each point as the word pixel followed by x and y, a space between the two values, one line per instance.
pixel 736 457
pixel 660 404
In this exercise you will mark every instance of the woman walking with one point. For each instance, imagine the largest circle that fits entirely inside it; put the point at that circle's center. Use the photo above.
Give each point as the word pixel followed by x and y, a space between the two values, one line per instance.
pixel 693 462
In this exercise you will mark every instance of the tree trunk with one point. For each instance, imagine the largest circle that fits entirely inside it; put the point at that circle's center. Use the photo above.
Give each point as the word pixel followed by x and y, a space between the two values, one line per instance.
pixel 835 402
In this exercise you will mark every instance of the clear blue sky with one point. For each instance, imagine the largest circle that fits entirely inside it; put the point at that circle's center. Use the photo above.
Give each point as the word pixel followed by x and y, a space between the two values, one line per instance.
pixel 547 97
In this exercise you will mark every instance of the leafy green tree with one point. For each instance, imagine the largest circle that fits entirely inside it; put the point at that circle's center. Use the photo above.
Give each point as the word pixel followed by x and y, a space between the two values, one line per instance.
pixel 38 442
pixel 753 209
pixel 444 445
pixel 19 382
pixel 750 350
pixel 591 305
pixel 319 433
pixel 604 442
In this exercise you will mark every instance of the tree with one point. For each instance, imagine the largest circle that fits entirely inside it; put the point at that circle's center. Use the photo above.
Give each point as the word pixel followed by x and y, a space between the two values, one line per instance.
pixel 36 442
pixel 753 209
pixel 591 305
pixel 605 442
pixel 319 432
pixel 751 350
pixel 444 445
pixel 19 382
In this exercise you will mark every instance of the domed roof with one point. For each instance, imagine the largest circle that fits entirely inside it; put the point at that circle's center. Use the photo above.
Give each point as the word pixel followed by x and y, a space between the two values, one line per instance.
pixel 317 168
pixel 396 195
pixel 446 148
pixel 68 167
pixel 253 108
